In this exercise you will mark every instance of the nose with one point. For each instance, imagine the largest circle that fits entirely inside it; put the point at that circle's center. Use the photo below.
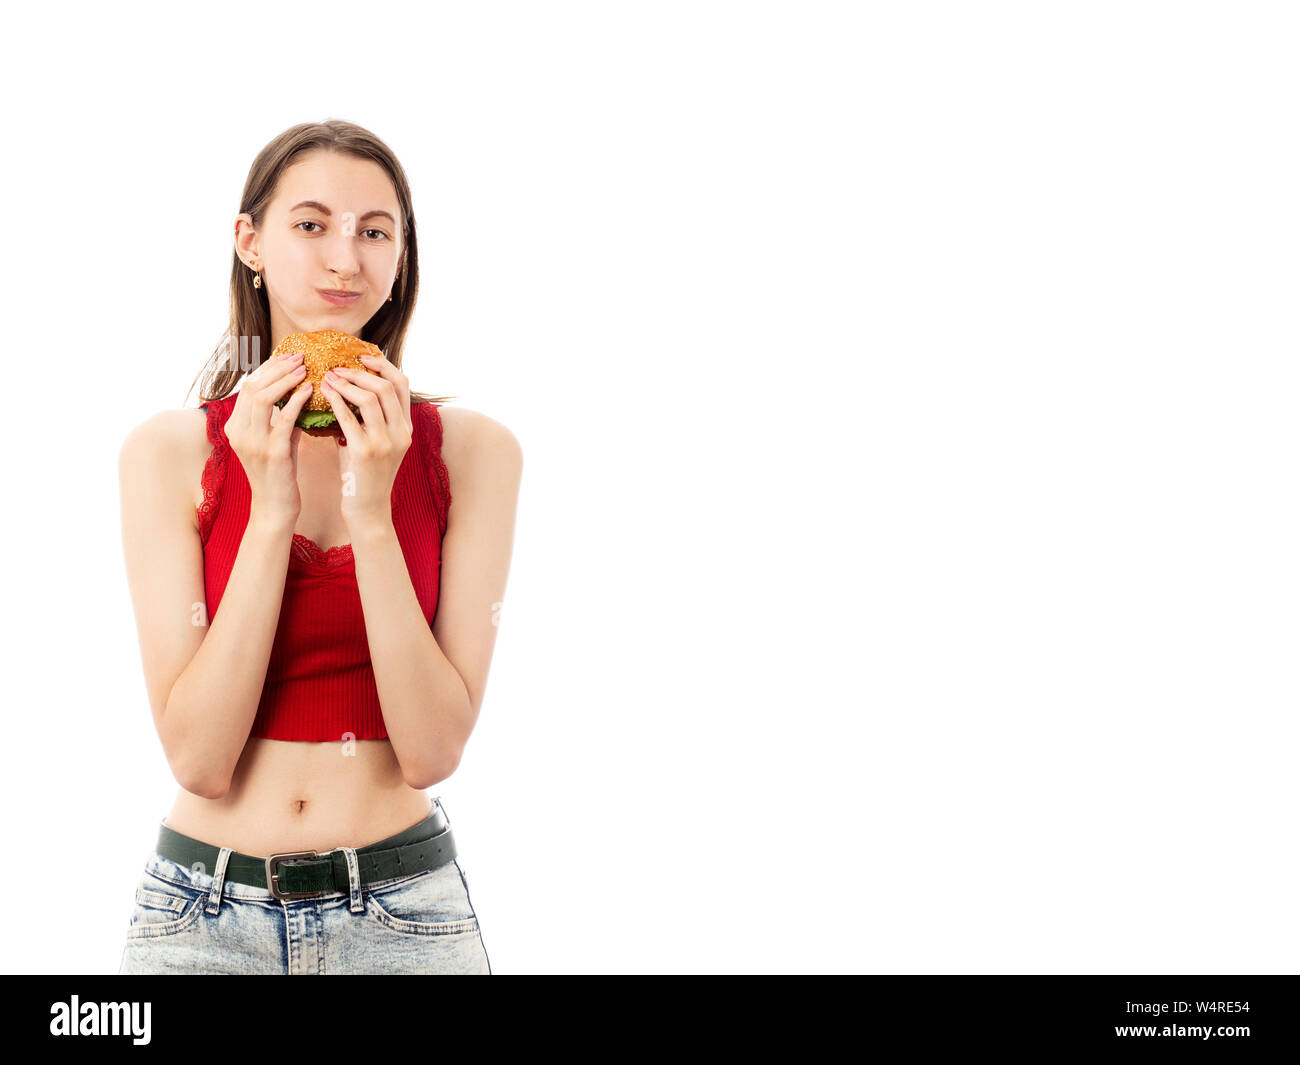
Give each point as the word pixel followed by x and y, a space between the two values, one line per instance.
pixel 341 256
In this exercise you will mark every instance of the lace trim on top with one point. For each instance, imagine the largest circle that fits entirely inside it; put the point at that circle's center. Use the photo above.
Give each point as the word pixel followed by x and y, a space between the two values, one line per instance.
pixel 433 461
pixel 310 551
pixel 214 470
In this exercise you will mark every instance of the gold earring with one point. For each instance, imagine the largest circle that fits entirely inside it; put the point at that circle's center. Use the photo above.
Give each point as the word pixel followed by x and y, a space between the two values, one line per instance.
pixel 257 280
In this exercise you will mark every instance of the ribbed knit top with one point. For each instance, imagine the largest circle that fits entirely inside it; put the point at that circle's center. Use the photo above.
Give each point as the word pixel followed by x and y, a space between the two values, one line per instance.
pixel 319 684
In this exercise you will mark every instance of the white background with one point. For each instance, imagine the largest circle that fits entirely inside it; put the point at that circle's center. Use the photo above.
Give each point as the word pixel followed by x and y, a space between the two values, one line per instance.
pixel 905 577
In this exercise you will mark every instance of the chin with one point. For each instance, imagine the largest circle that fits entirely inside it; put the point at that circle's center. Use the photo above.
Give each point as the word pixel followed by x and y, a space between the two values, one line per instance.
pixel 349 322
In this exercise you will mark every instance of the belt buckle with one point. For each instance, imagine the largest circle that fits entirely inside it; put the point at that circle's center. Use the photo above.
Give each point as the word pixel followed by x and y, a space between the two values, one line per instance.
pixel 273 876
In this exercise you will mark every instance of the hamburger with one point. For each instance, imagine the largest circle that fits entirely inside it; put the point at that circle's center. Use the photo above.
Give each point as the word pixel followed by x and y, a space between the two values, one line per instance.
pixel 322 351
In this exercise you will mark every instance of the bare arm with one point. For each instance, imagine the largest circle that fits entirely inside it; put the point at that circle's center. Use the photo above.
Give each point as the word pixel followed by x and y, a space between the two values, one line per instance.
pixel 485 466
pixel 204 676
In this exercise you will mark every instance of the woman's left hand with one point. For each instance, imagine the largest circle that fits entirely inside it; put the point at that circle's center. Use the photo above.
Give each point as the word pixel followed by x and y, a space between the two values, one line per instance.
pixel 373 448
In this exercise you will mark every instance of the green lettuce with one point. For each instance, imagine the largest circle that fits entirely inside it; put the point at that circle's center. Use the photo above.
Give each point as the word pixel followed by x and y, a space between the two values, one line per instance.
pixel 311 419
pixel 316 419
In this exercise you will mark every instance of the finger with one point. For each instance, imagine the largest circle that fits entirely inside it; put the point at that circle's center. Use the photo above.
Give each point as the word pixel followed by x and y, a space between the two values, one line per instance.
pixel 279 392
pixel 397 379
pixel 285 360
pixel 289 412
pixel 252 392
pixel 379 386
pixel 352 432
pixel 268 380
pixel 372 414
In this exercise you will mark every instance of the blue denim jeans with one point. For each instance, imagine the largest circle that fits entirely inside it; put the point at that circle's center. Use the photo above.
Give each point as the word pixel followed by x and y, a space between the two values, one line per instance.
pixel 187 921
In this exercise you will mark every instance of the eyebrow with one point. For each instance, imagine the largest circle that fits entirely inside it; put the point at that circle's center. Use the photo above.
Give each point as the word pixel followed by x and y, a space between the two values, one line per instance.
pixel 318 206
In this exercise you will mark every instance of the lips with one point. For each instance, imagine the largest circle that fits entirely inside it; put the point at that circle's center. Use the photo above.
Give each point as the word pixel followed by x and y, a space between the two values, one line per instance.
pixel 339 297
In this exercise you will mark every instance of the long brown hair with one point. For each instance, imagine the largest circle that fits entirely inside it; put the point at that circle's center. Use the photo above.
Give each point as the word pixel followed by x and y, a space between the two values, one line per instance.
pixel 250 313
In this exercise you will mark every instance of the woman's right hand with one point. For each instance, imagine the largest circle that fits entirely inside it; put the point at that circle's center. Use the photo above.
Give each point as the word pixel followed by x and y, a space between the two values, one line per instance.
pixel 269 453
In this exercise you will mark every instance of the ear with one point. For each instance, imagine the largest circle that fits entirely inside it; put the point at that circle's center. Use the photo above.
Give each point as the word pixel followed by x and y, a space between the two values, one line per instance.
pixel 246 239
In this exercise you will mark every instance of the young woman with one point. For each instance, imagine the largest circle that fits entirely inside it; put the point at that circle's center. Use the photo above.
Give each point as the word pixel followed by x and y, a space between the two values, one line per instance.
pixel 316 618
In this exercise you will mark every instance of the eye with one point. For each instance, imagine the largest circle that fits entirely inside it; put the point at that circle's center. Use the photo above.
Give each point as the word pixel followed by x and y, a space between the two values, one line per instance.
pixel 307 224
pixel 379 231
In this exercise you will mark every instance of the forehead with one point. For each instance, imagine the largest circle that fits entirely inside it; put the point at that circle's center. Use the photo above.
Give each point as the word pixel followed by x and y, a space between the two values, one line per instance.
pixel 341 182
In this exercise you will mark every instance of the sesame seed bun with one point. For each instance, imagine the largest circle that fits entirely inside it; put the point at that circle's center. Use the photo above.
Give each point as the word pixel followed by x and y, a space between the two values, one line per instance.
pixel 323 350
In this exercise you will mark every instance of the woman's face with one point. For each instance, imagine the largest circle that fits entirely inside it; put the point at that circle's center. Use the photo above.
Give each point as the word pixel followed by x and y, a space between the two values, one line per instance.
pixel 332 224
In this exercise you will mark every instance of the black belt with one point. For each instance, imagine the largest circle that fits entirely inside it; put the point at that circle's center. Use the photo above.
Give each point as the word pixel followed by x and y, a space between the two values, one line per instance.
pixel 299 874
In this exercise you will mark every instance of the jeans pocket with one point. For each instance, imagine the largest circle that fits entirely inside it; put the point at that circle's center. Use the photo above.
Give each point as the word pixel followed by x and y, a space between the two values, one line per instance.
pixel 432 903
pixel 164 905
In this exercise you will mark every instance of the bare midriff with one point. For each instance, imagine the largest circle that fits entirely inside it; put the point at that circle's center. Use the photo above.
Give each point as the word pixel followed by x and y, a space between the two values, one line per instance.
pixel 291 796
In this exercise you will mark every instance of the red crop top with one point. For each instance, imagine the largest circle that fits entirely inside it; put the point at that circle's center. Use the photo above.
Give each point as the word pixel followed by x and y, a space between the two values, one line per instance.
pixel 319 681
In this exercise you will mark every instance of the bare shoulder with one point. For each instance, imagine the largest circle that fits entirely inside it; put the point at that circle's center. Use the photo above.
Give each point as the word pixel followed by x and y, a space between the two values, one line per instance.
pixel 173 446
pixel 475 445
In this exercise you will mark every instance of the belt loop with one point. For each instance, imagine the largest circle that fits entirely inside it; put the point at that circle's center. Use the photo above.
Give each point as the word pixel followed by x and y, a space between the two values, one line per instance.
pixel 354 881
pixel 218 880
